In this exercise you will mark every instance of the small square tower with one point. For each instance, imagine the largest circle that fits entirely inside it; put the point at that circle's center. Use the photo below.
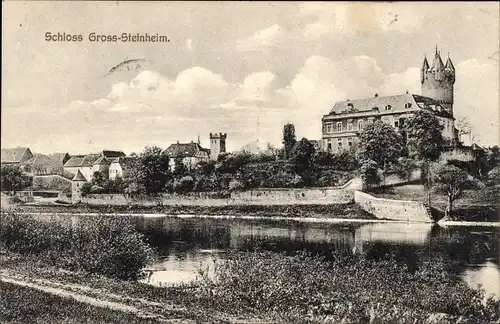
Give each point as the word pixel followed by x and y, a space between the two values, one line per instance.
pixel 217 144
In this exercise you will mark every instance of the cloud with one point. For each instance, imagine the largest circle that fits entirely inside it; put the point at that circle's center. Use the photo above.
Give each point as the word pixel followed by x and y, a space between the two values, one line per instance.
pixel 356 18
pixel 154 109
pixel 261 40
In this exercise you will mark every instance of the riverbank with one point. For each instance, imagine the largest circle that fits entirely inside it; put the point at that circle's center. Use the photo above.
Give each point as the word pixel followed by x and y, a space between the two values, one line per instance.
pixel 337 211
pixel 260 287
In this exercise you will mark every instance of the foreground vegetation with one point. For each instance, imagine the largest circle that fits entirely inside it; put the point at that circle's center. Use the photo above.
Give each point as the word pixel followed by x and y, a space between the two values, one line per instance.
pixel 297 288
pixel 109 246
pixel 27 305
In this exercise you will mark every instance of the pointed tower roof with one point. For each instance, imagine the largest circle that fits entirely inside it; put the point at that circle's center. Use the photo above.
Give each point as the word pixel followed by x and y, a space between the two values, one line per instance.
pixel 437 64
pixel 79 176
pixel 449 65
pixel 425 65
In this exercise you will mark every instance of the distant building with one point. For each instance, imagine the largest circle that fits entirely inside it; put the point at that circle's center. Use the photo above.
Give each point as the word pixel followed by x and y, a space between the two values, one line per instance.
pixel 191 154
pixel 42 164
pixel 15 156
pixel 120 166
pixel 217 144
pixel 342 125
pixel 90 163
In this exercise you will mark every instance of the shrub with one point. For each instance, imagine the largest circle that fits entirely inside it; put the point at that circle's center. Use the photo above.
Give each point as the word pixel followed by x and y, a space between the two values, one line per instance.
pixel 184 184
pixel 304 288
pixel 369 173
pixel 108 246
pixel 235 185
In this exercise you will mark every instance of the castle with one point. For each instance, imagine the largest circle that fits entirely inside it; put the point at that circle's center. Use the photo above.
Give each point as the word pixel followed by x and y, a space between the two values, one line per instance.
pixel 342 125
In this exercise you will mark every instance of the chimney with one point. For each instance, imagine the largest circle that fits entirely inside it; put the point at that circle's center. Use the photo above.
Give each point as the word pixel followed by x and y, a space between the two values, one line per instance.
pixel 376 95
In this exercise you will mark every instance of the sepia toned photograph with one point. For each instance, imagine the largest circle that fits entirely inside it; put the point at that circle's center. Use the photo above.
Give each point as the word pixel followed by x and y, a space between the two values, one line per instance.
pixel 250 162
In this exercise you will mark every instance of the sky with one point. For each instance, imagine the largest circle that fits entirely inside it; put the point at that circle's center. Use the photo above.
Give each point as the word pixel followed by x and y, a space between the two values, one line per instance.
pixel 241 68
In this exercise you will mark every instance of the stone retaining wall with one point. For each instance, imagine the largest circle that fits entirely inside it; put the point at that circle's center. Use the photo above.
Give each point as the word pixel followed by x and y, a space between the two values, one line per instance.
pixel 401 210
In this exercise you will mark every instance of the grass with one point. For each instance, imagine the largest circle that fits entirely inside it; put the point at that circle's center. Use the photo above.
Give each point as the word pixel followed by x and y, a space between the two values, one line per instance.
pixel 302 288
pixel 27 305
pixel 474 205
pixel 347 211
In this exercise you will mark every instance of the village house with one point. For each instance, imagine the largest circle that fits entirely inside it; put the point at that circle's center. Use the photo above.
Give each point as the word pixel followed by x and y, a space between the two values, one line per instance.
pixel 191 154
pixel 15 156
pixel 90 163
pixel 345 121
pixel 120 166
pixel 42 164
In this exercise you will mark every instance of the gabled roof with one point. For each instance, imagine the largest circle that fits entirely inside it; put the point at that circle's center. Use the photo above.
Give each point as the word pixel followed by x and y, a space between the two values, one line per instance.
pixel 59 157
pixel 184 150
pixel 101 161
pixel 397 103
pixel 125 161
pixel 79 176
pixel 112 154
pixel 425 65
pixel 13 155
pixel 75 161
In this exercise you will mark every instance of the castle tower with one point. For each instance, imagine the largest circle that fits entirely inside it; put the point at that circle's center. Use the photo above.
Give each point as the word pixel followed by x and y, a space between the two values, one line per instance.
pixel 217 144
pixel 76 187
pixel 438 80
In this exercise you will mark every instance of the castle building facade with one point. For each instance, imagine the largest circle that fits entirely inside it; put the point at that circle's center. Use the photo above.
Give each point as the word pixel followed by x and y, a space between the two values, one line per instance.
pixel 342 125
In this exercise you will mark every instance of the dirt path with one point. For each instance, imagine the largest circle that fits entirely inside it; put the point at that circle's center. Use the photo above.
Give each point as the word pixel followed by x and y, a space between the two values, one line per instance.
pixel 140 307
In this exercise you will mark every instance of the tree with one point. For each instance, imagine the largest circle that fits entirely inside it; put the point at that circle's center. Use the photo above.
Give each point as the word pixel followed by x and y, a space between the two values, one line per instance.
pixel 301 156
pixel 180 168
pixel 369 173
pixel 424 135
pixel 380 143
pixel 404 168
pixel 463 128
pixel 289 139
pixel 153 170
pixel 13 179
pixel 99 178
pixel 184 184
pixel 450 180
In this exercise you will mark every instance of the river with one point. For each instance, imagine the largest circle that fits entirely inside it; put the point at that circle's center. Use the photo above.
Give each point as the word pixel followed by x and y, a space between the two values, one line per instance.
pixel 189 244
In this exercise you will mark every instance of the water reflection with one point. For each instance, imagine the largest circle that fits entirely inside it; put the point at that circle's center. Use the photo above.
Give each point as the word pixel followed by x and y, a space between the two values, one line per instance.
pixel 190 244
pixel 186 245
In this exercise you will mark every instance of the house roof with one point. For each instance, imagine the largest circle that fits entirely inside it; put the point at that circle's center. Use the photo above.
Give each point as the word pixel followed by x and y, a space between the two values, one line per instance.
pixel 56 159
pixel 125 161
pixel 79 176
pixel 184 149
pixel 13 155
pixel 75 161
pixel 101 161
pixel 112 154
pixel 397 103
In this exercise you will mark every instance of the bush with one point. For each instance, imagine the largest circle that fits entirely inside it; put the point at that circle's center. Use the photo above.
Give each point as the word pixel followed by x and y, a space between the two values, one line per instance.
pixel 235 185
pixel 109 246
pixel 184 184
pixel 304 288
pixel 370 173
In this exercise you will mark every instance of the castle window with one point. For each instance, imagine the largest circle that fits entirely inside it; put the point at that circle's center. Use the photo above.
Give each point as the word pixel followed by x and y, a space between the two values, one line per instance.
pixel 349 126
pixel 339 126
pixel 329 144
pixel 409 105
pixel 396 124
pixel 329 128
pixel 339 143
pixel 388 107
pixel 349 141
pixel 360 124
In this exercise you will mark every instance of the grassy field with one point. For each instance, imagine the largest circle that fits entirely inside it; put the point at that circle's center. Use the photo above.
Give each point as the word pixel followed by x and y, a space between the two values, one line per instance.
pixel 266 287
pixel 26 305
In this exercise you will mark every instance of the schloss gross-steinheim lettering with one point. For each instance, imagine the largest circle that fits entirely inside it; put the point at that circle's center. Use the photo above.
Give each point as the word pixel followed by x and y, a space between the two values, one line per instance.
pixel 107 38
